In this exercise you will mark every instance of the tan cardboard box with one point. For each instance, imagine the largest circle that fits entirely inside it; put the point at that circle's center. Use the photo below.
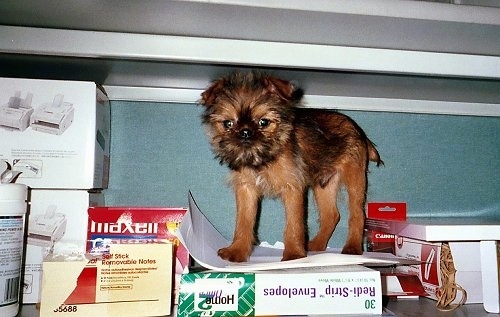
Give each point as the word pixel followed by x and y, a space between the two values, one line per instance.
pixel 132 280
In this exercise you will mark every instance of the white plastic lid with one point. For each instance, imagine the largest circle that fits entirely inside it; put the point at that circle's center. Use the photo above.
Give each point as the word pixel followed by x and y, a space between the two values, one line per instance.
pixel 13 192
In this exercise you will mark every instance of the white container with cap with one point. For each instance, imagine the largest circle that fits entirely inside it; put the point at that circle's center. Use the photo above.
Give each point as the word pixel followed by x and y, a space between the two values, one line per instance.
pixel 13 206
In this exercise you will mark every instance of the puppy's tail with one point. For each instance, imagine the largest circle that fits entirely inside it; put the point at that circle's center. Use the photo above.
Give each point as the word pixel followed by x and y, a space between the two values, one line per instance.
pixel 373 153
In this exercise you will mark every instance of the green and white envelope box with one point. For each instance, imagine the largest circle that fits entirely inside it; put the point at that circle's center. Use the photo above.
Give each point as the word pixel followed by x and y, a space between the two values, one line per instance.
pixel 330 290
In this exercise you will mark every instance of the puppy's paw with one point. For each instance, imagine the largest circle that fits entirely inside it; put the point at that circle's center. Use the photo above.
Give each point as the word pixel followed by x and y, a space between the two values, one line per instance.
pixel 233 254
pixel 293 255
pixel 351 249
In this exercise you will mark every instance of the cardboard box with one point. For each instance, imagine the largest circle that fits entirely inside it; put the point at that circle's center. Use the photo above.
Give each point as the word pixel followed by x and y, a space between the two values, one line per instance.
pixel 304 291
pixel 440 228
pixel 471 231
pixel 131 280
pixel 376 240
pixel 401 285
pixel 57 133
pixel 466 260
pixel 387 210
pixel 57 222
pixel 111 225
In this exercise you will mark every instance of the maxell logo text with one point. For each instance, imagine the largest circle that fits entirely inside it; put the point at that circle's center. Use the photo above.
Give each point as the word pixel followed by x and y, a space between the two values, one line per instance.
pixel 124 227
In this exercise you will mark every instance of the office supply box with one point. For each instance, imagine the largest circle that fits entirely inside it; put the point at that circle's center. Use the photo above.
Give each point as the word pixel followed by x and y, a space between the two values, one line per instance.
pixel 111 225
pixel 133 279
pixel 57 223
pixel 57 133
pixel 303 291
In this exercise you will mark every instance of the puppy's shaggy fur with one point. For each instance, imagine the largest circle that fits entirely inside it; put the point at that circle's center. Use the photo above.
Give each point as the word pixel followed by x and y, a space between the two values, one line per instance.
pixel 274 148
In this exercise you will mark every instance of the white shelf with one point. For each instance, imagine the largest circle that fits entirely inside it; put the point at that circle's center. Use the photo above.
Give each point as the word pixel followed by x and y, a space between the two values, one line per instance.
pixel 433 10
pixel 42 41
pixel 422 307
pixel 191 96
pixel 424 26
pixel 398 56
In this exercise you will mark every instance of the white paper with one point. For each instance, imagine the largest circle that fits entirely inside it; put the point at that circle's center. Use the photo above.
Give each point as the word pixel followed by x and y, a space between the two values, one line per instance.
pixel 203 240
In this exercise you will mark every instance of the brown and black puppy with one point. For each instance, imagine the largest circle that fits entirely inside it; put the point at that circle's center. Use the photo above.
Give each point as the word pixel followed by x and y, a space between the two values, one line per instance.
pixel 275 149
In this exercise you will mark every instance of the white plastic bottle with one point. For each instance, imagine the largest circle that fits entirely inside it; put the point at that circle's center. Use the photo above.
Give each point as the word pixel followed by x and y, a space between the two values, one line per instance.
pixel 13 206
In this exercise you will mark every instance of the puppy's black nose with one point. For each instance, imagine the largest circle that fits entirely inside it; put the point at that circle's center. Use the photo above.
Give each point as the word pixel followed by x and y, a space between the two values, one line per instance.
pixel 246 133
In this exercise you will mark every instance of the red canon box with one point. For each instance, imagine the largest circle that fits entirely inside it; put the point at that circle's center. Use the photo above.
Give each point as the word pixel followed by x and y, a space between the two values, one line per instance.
pixel 379 241
pixel 387 210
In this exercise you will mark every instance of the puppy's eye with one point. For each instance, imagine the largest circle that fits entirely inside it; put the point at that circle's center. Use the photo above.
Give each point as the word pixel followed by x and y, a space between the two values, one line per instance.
pixel 263 122
pixel 228 124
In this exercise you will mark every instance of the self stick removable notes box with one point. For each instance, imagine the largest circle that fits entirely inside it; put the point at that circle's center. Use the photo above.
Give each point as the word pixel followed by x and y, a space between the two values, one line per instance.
pixel 114 225
pixel 131 280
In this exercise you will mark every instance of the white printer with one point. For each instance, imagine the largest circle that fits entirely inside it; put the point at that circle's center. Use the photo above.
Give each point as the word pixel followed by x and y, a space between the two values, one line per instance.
pixel 45 230
pixel 16 114
pixel 53 118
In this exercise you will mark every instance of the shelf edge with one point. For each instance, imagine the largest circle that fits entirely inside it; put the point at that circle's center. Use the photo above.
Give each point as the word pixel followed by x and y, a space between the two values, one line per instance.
pixel 190 96
pixel 131 46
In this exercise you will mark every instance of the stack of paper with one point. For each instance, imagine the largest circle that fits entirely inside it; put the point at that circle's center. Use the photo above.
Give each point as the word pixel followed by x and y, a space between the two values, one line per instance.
pixel 322 283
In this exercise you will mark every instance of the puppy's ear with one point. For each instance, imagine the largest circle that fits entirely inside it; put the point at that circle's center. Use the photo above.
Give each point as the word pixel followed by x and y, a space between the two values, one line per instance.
pixel 284 89
pixel 210 94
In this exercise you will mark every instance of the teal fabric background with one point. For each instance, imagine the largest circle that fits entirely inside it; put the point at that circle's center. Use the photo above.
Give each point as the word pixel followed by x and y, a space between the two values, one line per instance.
pixel 442 166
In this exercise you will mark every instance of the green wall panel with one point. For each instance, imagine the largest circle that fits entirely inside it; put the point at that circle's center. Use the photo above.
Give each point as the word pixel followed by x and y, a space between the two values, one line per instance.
pixel 440 165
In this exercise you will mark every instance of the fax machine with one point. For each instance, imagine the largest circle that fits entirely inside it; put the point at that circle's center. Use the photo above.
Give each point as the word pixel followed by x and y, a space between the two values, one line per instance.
pixel 16 114
pixel 45 230
pixel 53 118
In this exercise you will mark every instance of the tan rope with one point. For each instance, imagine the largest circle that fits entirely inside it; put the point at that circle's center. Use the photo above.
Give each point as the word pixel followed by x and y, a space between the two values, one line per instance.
pixel 447 293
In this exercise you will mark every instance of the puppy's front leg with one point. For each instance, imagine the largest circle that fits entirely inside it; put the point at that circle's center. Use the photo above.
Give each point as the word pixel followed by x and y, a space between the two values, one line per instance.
pixel 244 236
pixel 294 236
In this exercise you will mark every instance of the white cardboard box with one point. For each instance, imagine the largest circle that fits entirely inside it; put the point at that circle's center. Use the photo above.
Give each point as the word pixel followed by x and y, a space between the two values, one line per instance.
pixel 134 279
pixel 440 228
pixel 333 290
pixel 57 133
pixel 484 231
pixel 57 223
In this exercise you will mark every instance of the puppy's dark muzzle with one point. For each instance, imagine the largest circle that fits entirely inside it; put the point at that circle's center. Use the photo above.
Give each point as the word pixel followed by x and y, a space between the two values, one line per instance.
pixel 246 134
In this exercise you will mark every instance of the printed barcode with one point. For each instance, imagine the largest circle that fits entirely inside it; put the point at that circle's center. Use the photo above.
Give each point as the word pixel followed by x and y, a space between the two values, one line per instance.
pixel 11 289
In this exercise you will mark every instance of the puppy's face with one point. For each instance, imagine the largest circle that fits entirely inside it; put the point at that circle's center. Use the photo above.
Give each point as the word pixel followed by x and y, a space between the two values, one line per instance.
pixel 249 118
